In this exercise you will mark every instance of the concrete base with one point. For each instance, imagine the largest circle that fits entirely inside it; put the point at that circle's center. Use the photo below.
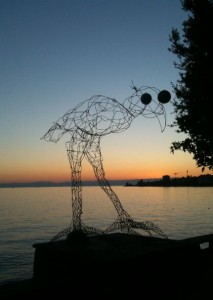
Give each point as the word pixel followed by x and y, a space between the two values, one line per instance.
pixel 120 265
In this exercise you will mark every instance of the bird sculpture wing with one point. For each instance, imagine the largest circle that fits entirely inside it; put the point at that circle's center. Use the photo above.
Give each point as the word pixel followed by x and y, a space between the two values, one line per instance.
pixel 98 116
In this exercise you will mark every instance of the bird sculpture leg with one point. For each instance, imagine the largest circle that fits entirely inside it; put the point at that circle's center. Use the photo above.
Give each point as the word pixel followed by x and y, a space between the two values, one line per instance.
pixel 123 222
pixel 75 158
pixel 94 156
pixel 76 151
pixel 75 165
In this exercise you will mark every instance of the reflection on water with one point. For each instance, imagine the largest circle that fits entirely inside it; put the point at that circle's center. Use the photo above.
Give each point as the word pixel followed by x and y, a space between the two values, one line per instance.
pixel 33 215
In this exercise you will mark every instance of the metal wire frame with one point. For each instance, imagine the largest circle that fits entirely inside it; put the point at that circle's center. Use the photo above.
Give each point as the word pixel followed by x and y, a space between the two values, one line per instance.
pixel 86 125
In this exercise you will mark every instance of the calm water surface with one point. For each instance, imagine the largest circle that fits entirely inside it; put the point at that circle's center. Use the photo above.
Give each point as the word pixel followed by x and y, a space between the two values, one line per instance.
pixel 34 215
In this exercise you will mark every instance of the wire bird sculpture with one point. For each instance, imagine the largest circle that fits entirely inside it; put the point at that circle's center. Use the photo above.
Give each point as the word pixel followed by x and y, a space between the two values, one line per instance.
pixel 87 124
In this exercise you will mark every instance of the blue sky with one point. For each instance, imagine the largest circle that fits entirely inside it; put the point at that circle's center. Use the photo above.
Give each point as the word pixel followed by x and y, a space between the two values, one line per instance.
pixel 57 53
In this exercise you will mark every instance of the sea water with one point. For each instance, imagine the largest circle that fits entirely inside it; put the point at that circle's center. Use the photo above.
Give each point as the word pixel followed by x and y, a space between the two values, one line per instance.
pixel 35 215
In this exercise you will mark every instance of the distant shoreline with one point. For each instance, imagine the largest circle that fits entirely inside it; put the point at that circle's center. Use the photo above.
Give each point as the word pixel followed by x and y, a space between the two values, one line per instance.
pixel 39 184
pixel 166 181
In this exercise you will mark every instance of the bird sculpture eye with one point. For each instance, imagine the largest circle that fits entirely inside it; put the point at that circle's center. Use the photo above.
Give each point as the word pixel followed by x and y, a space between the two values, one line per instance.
pixel 164 96
pixel 146 98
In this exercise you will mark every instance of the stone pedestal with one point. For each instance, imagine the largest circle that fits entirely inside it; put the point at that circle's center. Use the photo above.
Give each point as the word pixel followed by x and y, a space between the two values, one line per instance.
pixel 125 264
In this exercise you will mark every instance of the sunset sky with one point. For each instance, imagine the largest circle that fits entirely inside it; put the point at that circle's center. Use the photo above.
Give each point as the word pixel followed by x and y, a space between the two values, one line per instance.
pixel 55 54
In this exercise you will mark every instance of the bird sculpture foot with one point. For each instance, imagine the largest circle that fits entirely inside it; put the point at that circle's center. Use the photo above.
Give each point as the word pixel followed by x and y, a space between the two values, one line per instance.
pixel 127 225
pixel 124 223
pixel 86 230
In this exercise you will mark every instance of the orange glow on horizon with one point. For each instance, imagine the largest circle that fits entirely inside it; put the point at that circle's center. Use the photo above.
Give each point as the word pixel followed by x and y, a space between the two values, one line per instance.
pixel 118 166
pixel 122 174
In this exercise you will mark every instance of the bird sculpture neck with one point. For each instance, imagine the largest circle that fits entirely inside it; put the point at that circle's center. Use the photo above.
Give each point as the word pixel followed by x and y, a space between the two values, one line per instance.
pixel 133 105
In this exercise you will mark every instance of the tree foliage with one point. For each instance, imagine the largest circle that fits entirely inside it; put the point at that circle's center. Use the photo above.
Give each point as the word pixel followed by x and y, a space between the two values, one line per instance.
pixel 194 97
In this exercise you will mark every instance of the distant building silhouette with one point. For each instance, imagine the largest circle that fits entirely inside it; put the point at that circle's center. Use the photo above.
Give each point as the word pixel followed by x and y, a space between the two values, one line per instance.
pixel 166 179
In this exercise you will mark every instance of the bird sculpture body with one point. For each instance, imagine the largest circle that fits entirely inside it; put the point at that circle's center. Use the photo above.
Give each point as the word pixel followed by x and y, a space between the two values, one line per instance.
pixel 86 125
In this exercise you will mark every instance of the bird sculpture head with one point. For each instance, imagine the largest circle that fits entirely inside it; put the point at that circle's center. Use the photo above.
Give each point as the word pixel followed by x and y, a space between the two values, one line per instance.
pixel 148 102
